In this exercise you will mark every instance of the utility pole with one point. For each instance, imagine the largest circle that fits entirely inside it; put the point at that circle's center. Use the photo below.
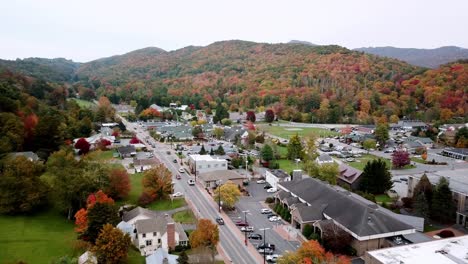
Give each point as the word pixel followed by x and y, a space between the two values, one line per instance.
pixel 246 225
pixel 264 239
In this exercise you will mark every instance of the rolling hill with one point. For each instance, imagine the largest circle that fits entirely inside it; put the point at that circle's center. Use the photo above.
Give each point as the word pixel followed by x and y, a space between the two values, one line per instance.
pixel 430 58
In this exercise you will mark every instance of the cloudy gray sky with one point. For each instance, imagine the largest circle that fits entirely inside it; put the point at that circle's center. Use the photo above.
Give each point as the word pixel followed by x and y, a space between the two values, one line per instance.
pixel 89 29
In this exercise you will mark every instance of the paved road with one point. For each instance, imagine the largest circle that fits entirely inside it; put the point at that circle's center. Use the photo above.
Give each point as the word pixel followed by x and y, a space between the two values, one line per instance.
pixel 230 239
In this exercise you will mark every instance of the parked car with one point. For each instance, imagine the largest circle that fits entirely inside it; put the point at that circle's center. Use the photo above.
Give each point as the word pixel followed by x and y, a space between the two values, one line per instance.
pixel 272 190
pixel 168 152
pixel 175 161
pixel 272 258
pixel 247 229
pixel 178 177
pixel 181 170
pixel 177 194
pixel 255 236
pixel 266 251
pixel 274 218
pixel 191 182
pixel 404 179
pixel 266 210
pixel 267 245
pixel 268 186
pixel 219 220
pixel 241 223
pixel 261 181
pixel 270 214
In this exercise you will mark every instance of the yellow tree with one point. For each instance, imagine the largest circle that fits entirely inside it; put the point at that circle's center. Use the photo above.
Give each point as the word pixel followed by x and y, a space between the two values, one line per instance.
pixel 111 245
pixel 229 193
pixel 206 235
pixel 157 182
pixel 312 252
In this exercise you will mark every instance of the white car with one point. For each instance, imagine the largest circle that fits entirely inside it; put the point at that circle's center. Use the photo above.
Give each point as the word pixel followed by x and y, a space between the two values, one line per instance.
pixel 261 181
pixel 247 229
pixel 181 170
pixel 272 190
pixel 191 182
pixel 177 194
pixel 274 218
pixel 273 258
pixel 266 210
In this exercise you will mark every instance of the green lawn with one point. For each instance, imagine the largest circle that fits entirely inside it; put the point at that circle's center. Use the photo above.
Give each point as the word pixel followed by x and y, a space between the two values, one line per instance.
pixel 383 198
pixel 136 187
pixel 418 160
pixel 288 165
pixel 83 103
pixel 184 217
pixel 163 205
pixel 361 162
pixel 287 132
pixel 135 257
pixel 35 239
pixel 99 155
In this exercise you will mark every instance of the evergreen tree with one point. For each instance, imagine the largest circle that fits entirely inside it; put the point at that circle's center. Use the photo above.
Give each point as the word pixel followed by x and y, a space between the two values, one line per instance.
pixel 183 258
pixel 211 152
pixel 381 134
pixel 443 207
pixel 220 114
pixel 424 186
pixel 99 215
pixel 295 148
pixel 266 153
pixel 421 205
pixel 376 178
pixel 202 150
pixel 220 150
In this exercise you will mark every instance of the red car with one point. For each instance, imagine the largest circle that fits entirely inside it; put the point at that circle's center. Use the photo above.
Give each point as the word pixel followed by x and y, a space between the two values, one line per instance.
pixel 241 223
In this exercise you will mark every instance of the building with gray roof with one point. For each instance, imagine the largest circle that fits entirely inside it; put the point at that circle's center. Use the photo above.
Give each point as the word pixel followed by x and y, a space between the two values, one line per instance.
pixel 368 225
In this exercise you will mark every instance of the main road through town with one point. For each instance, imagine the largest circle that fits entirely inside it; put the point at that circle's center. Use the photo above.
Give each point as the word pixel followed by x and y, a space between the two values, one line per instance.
pixel 230 237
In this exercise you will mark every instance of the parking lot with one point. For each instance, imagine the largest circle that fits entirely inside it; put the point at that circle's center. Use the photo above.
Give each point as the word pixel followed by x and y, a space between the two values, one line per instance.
pixel 254 204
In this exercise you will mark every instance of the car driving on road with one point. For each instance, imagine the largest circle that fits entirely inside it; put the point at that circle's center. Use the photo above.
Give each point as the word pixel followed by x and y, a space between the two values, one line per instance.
pixel 219 220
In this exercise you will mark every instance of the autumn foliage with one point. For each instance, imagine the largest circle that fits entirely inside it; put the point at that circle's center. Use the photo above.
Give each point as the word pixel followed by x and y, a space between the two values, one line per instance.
pixel 111 245
pixel 206 234
pixel 81 217
pixel 312 252
pixel 82 145
pixel 157 182
pixel 134 140
pixel 119 184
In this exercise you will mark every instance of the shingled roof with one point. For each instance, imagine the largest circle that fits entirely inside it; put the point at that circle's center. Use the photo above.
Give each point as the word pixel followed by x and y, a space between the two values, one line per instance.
pixel 348 173
pixel 361 218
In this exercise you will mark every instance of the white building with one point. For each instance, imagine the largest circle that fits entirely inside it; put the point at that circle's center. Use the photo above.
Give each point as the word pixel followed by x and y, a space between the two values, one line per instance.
pixel 442 251
pixel 206 163
pixel 273 177
pixel 153 231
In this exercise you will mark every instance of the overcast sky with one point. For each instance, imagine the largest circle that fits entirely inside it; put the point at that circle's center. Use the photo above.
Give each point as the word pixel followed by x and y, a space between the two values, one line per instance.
pixel 85 30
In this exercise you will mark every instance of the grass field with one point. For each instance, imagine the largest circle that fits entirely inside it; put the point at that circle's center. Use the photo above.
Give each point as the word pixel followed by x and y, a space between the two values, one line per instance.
pixel 360 163
pixel 288 165
pixel 287 132
pixel 99 155
pixel 35 239
pixel 83 103
pixel 136 187
pixel 383 198
pixel 163 205
pixel 418 160
pixel 184 217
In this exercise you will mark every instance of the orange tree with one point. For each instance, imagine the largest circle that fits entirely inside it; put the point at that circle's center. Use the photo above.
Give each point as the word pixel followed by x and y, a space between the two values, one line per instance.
pixel 157 182
pixel 111 245
pixel 206 235
pixel 311 252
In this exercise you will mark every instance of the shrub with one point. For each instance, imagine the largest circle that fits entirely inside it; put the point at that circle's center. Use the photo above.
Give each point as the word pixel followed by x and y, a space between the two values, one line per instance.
pixel 145 199
pixel 307 231
pixel 446 234
pixel 269 200
pixel 407 202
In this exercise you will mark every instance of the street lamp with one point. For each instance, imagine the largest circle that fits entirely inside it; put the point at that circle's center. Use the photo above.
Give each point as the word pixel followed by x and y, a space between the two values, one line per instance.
pixel 219 195
pixel 264 239
pixel 246 225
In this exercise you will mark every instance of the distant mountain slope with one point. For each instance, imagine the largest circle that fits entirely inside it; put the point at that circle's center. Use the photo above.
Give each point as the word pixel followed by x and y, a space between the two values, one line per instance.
pixel 430 58
pixel 53 70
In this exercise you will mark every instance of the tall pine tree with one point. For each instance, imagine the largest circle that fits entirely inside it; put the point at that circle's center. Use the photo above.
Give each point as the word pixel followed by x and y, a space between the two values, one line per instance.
pixel 376 177
pixel 443 207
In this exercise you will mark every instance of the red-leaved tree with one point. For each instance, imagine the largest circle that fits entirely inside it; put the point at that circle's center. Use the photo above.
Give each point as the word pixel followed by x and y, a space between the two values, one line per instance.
pixel 251 116
pixel 103 144
pixel 83 146
pixel 134 140
pixel 81 217
pixel 400 158
pixel 119 184
pixel 269 116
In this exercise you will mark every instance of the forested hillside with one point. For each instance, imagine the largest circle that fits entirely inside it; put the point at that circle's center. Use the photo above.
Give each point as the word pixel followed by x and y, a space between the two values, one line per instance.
pixel 52 70
pixel 300 82
pixel 430 58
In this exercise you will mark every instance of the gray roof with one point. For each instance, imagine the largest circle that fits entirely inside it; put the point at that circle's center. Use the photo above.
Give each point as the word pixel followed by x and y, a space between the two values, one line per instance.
pixel 127 216
pixel 125 150
pixel 180 229
pixel 291 200
pixel 361 218
pixel 325 158
pixel 157 224
pixel 125 227
pixel 281 174
pixel 282 194
pixel 145 162
pixel 307 213
pixel 161 255
pixel 223 175
pixel 348 173
pixel 461 151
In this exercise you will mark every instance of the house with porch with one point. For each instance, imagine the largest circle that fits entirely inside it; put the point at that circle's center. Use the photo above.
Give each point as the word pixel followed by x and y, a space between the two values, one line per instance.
pixel 316 203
